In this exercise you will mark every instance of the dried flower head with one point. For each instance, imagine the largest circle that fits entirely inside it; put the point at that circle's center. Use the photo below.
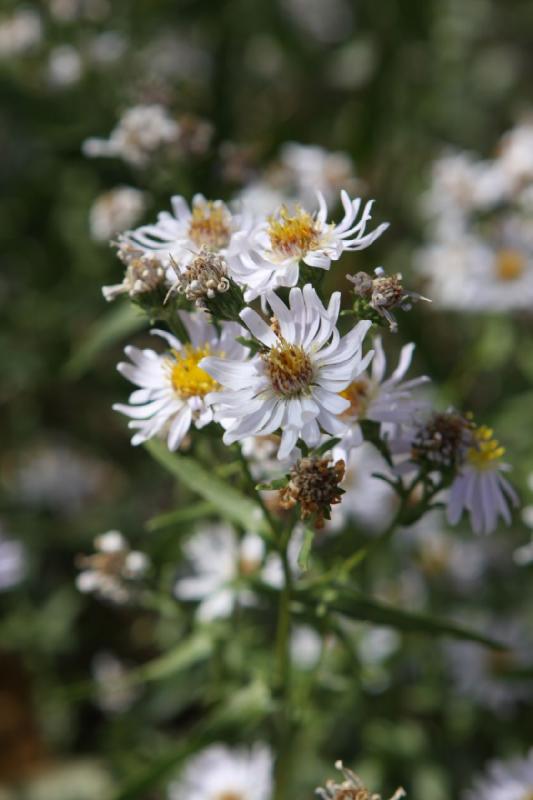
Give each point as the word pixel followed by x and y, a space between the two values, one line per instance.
pixel 204 278
pixel 144 274
pixel 383 293
pixel 351 788
pixel 111 569
pixel 442 441
pixel 314 484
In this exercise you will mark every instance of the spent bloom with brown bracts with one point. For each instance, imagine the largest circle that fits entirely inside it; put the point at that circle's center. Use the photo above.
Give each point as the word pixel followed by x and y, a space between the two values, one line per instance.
pixel 314 485
pixel 384 293
pixel 351 788
pixel 203 278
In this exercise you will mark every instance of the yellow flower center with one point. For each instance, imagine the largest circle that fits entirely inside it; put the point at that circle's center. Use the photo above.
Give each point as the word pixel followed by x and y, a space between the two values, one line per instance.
pixel 293 235
pixel 289 368
pixel 486 450
pixel 509 265
pixel 188 379
pixel 210 226
pixel 358 395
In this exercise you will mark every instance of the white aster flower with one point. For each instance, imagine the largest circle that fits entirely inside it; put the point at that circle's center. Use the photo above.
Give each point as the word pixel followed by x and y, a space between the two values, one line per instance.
pixel 287 238
pixel 479 487
pixel 141 131
pixel 505 780
pixel 374 397
pixel 172 386
pixel 220 560
pixel 115 210
pixel 177 237
pixel 294 384
pixel 13 562
pixel 515 154
pixel 218 773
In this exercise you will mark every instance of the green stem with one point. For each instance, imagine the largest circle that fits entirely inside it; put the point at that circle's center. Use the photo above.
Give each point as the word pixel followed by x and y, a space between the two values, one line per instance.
pixel 283 682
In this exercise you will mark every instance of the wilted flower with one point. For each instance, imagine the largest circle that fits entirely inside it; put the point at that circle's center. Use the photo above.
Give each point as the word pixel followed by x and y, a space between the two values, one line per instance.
pixel 384 293
pixel 224 774
pixel 314 486
pixel 144 276
pixel 173 386
pixel 351 788
pixel 113 569
pixel 203 278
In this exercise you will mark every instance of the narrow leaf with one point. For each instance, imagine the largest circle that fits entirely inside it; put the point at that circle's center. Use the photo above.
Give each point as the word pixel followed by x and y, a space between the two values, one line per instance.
pixel 227 501
pixel 180 515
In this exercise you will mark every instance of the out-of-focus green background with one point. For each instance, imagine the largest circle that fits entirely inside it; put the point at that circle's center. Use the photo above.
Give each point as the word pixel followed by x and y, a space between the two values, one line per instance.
pixel 389 82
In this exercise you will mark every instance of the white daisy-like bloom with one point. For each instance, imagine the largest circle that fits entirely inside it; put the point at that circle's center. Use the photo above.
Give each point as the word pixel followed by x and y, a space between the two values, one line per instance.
pixel 177 237
pixel 221 773
pixel 294 384
pixel 172 386
pixel 290 237
pixel 480 488
pixel 220 561
pixel 372 396
pixel 115 210
pixel 141 131
pixel 504 780
pixel 13 562
pixel 369 501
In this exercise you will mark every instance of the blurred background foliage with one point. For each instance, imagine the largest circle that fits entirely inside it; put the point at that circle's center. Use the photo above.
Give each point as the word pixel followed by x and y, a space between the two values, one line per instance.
pixel 390 83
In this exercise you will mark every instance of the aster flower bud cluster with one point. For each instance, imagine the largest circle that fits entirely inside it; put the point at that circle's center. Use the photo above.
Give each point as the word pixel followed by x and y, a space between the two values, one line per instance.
pixel 351 788
pixel 113 569
pixel 314 485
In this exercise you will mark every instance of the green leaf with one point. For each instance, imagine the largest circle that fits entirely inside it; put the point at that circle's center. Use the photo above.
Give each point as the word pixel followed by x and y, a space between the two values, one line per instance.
pixel 352 604
pixel 277 483
pixel 305 550
pixel 325 446
pixel 119 322
pixel 227 501
pixel 180 515
pixel 191 651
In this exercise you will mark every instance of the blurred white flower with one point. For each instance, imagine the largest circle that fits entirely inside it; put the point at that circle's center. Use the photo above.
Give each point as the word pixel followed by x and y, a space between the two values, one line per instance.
pixel 72 10
pixel 219 773
pixel 115 693
pixel 306 646
pixel 479 673
pixel 326 21
pixel 368 501
pixel 113 569
pixel 220 561
pixel 173 386
pixel 516 153
pixel 140 133
pixel 311 169
pixel 65 66
pixel 20 32
pixel 13 562
pixel 504 780
pixel 115 210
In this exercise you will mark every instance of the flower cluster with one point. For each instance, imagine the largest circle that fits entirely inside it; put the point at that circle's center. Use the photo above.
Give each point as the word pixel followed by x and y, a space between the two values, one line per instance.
pixel 480 227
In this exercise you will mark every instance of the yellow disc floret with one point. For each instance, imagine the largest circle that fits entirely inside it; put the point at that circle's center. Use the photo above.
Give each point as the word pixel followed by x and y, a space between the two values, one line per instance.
pixel 486 449
pixel 188 379
pixel 210 225
pixel 289 368
pixel 509 265
pixel 293 236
